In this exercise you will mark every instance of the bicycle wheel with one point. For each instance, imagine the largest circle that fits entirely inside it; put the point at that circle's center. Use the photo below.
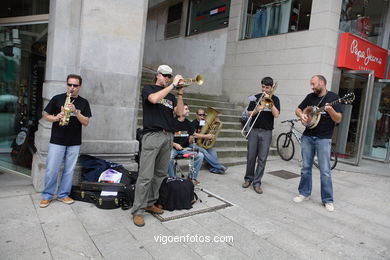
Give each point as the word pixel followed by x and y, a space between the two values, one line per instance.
pixel 285 146
pixel 333 159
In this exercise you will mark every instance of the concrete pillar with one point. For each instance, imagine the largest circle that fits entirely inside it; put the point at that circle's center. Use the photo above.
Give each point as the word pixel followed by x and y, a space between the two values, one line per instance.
pixel 103 42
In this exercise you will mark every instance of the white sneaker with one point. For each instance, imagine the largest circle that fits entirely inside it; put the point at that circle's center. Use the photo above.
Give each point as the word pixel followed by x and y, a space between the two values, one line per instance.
pixel 329 206
pixel 300 198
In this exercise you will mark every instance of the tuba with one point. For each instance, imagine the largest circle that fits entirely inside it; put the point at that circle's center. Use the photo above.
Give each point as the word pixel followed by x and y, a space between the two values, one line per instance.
pixel 212 126
pixel 267 101
pixel 65 120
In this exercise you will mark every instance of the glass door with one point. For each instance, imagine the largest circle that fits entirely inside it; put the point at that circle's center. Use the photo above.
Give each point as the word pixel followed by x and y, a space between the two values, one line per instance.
pixel 378 129
pixel 350 133
pixel 22 67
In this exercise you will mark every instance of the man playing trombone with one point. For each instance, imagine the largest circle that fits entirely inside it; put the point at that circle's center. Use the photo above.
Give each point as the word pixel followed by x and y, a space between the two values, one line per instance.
pixel 261 113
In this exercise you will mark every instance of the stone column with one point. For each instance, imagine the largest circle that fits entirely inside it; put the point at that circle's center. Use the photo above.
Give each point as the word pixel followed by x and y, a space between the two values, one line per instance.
pixel 103 42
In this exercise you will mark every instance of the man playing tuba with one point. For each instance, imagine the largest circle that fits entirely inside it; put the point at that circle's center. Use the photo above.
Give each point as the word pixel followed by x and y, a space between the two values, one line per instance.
pixel 259 138
pixel 210 155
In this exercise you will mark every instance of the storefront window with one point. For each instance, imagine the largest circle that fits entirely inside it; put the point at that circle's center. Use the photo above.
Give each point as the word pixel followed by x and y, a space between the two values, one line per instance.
pixel 267 17
pixel 206 15
pixel 22 66
pixel 23 8
pixel 364 18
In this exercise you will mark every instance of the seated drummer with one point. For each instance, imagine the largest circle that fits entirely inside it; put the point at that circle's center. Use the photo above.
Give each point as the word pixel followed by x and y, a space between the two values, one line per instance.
pixel 183 137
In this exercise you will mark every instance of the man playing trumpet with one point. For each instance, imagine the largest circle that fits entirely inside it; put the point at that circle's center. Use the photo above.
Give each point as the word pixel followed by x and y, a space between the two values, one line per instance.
pixel 260 136
pixel 158 127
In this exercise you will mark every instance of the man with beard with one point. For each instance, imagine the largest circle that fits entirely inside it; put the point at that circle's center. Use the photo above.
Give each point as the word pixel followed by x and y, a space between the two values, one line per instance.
pixel 318 141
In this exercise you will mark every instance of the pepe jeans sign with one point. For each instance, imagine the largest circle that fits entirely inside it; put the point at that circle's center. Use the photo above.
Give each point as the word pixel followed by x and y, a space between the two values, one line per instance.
pixel 358 54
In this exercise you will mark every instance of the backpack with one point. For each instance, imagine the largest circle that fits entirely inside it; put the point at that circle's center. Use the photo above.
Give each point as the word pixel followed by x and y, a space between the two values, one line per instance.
pixel 176 193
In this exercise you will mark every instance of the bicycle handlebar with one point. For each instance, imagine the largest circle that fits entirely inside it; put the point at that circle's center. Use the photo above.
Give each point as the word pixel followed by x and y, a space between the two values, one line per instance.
pixel 291 120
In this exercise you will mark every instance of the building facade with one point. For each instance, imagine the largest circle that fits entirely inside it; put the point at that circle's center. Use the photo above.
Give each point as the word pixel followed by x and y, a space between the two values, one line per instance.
pixel 233 43
pixel 289 40
pixel 44 41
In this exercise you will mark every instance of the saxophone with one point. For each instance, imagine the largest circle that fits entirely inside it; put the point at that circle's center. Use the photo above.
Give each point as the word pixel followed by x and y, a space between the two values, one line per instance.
pixel 65 120
pixel 212 126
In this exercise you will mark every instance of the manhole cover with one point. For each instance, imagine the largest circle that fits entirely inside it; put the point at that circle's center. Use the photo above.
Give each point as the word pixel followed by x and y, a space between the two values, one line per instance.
pixel 284 174
pixel 207 202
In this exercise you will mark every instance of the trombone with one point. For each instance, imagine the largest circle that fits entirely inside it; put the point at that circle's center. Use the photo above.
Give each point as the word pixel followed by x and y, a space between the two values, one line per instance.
pixel 265 102
pixel 245 133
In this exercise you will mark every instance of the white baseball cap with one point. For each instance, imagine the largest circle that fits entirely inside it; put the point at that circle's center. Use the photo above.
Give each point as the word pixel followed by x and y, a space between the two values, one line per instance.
pixel 164 69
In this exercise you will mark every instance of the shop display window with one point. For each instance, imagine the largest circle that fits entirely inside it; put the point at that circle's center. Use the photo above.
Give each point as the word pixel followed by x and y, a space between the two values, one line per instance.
pixel 22 67
pixel 364 18
pixel 267 17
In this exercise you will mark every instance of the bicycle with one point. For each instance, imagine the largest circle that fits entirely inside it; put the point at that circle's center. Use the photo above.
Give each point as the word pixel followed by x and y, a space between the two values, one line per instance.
pixel 286 147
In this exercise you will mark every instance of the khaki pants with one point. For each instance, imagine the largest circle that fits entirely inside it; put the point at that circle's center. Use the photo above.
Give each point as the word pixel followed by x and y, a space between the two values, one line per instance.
pixel 154 162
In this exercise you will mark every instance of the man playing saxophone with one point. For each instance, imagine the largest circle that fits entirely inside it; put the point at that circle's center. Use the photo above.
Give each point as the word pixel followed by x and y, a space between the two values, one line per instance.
pixel 65 139
pixel 259 138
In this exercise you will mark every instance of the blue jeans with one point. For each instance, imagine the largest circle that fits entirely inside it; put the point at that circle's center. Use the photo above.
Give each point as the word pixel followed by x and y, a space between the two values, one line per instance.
pixel 198 160
pixel 310 146
pixel 55 155
pixel 211 157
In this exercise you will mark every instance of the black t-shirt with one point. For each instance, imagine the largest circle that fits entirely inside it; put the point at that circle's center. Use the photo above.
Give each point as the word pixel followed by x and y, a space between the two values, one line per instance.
pixel 265 119
pixel 70 134
pixel 195 125
pixel 325 126
pixel 157 116
pixel 183 131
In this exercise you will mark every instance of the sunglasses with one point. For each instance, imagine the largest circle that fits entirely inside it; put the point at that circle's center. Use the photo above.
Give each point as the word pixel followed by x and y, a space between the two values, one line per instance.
pixel 201 114
pixel 167 75
pixel 73 85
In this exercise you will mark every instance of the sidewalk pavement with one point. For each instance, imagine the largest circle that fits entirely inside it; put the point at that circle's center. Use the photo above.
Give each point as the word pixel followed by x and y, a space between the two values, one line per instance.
pixel 266 226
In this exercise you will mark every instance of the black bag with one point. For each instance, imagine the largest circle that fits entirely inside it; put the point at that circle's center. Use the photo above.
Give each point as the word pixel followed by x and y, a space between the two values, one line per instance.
pixel 128 177
pixel 123 199
pixel 109 202
pixel 83 195
pixel 176 193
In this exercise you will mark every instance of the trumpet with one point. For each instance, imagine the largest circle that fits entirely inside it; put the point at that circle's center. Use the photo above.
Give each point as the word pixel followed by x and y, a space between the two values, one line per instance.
pixel 199 80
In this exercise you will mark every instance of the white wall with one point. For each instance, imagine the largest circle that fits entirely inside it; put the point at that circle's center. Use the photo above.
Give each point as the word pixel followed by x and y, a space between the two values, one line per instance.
pixel 203 53
pixel 291 58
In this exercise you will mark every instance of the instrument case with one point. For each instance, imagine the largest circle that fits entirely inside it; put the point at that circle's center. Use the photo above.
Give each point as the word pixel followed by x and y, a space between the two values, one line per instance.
pixel 84 195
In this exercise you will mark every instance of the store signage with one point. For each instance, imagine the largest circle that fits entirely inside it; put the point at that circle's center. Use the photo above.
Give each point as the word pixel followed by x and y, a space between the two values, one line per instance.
pixel 358 54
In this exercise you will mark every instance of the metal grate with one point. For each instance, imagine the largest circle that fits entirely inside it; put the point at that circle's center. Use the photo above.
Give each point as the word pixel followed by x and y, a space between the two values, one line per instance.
pixel 208 202
pixel 284 174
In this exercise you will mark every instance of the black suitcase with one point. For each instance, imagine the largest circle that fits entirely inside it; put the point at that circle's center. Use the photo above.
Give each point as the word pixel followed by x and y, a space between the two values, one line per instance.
pixel 99 186
pixel 109 202
pixel 83 195
pixel 124 198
